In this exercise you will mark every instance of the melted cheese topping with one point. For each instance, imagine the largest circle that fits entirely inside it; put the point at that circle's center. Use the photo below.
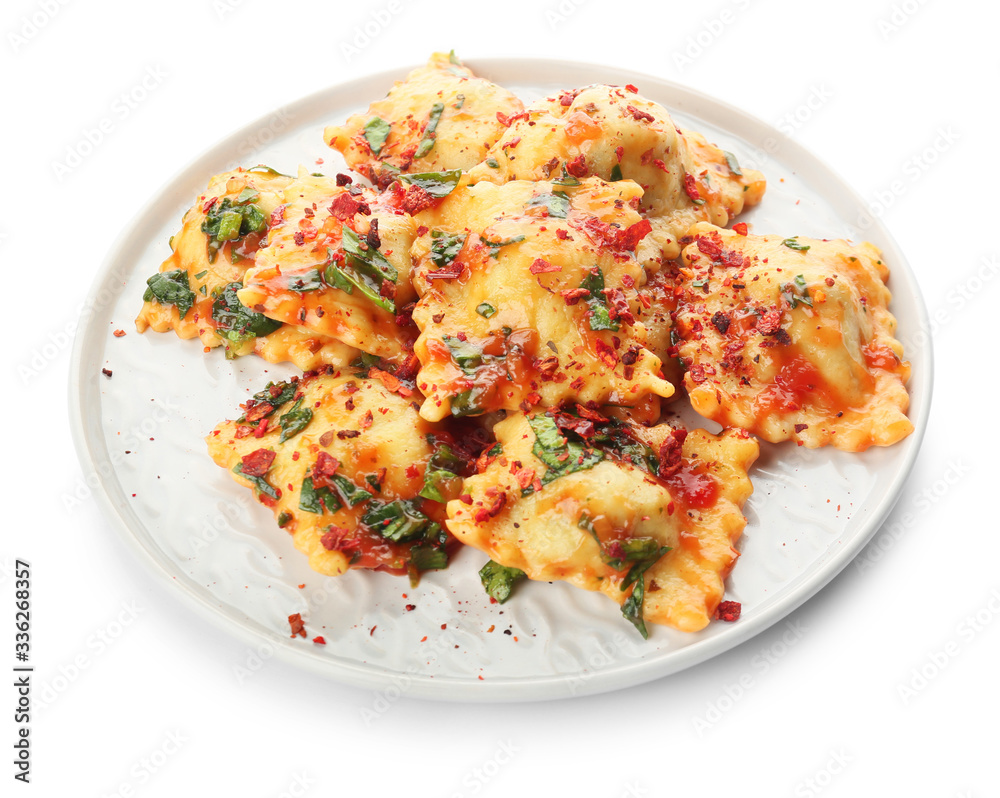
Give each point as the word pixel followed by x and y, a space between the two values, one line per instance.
pixel 505 324
pixel 612 133
pixel 374 435
pixel 207 276
pixel 554 532
pixel 305 238
pixel 465 108
pixel 792 339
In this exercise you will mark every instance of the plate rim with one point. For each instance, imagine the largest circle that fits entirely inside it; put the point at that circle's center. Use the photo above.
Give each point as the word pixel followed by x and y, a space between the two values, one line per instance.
pixel 503 688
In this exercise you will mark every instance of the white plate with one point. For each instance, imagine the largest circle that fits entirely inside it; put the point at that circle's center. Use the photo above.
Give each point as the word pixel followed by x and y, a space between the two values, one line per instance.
pixel 140 436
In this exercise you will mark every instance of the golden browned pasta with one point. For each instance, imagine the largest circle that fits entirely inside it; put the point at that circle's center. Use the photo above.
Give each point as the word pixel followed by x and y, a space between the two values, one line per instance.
pixel 337 263
pixel 792 339
pixel 526 298
pixel 647 516
pixel 195 292
pixel 349 469
pixel 441 117
pixel 613 132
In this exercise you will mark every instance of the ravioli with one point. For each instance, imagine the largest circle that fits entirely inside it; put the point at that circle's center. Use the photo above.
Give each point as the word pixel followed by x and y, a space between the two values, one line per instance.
pixel 441 117
pixel 347 466
pixel 648 516
pixel 336 262
pixel 792 339
pixel 613 133
pixel 526 298
pixel 194 293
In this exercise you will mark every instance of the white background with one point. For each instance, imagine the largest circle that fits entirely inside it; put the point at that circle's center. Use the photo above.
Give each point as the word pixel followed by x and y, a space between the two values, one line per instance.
pixel 898 97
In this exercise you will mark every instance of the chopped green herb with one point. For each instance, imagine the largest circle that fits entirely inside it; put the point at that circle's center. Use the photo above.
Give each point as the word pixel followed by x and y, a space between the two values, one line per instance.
pixel 364 268
pixel 702 283
pixel 294 421
pixel 496 246
pixel 445 247
pixel 616 173
pixel 234 321
pixel 283 519
pixel 459 101
pixel 376 133
pixel 427 142
pixel 600 317
pixel 492 162
pixel 313 500
pixel 466 403
pixel 201 275
pixel 350 492
pixel 398 521
pixel 171 288
pixel 796 292
pixel 485 309
pixel 793 243
pixel 428 558
pixel 466 355
pixel 557 203
pixel 632 608
pixel 561 455
pixel 499 580
pixel 437 184
pixel 454 58
pixel 260 485
pixel 285 393
pixel 361 255
pixel 732 163
pixel 307 281
pixel 566 179
pixel 441 477
pixel 230 221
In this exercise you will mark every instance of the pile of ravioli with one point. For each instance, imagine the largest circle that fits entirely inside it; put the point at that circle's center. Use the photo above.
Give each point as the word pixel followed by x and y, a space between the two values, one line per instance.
pixel 493 310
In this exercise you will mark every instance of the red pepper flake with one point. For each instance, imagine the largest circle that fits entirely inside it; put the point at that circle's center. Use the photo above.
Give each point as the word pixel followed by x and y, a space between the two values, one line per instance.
pixel 618 306
pixel 465 498
pixel 729 611
pixel 422 230
pixel 800 427
pixel 671 452
pixel 277 217
pixel 710 245
pixel 769 323
pixel 512 143
pixel 721 322
pixel 344 180
pixel 391 383
pixel 740 228
pixel 541 266
pixel 345 207
pixel 106 373
pixel 411 607
pixel 631 88
pixel 640 116
pixel 119 333
pixel 345 434
pixel 629 238
pixel 261 429
pixel 574 295
pixel 336 539
pixel 830 282
pixel 295 622
pixel 366 420
pixel 619 152
pixel 416 200
pixel 607 354
pixel 257 463
pixel 578 166
pixel 562 235
pixel 494 509
pixel 525 477
pixel 319 640
pixel 691 188
pixel 697 372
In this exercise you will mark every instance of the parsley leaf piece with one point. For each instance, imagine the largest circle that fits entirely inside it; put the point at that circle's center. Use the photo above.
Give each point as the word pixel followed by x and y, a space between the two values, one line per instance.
pixel 499 580
pixel 616 173
pixel 427 142
pixel 313 500
pixel 793 243
pixel 485 309
pixel 445 247
pixel 600 317
pixel 557 203
pixel 632 608
pixel 294 421
pixel 561 455
pixel 260 485
pixel 376 133
pixel 171 288
pixel 350 492
pixel 367 257
pixel 466 355
pixel 732 163
pixel 234 321
pixel 496 246
pixel 437 184
pixel 398 521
